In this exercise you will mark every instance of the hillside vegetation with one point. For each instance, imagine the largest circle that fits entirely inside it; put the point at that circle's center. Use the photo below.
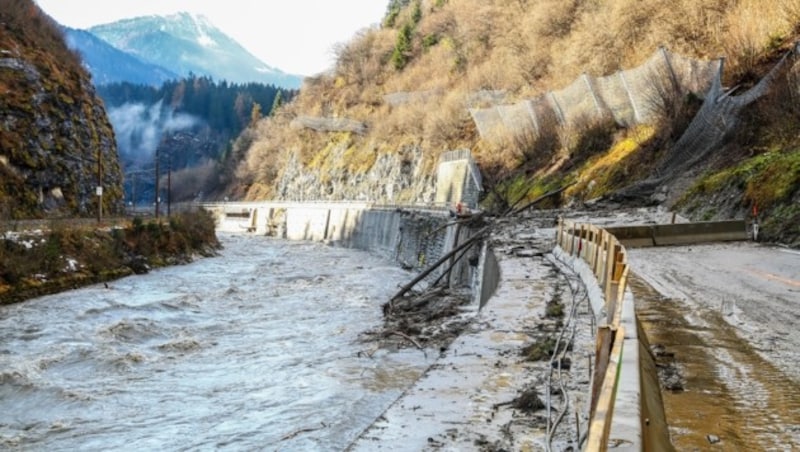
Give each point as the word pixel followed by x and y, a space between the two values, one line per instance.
pixel 65 256
pixel 55 138
pixel 442 57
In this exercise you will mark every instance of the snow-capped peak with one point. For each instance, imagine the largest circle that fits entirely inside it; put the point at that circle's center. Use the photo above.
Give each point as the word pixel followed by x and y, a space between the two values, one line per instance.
pixel 201 24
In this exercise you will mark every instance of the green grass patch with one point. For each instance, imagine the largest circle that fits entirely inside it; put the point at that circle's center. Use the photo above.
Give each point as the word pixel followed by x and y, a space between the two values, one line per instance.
pixel 766 180
pixel 614 168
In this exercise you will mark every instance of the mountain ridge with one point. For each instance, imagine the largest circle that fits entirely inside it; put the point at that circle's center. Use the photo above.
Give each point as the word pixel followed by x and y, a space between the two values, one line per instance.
pixel 190 44
pixel 107 64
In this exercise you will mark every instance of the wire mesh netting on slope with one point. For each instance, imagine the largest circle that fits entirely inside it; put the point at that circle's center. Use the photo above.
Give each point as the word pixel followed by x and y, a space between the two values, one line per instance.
pixel 717 118
pixel 630 97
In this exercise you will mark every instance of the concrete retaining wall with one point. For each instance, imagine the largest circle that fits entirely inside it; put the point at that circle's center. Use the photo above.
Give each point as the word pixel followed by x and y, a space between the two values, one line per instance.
pixel 489 276
pixel 412 237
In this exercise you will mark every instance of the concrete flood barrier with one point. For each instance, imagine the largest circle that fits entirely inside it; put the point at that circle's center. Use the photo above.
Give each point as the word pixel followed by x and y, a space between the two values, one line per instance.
pixel 680 233
pixel 412 236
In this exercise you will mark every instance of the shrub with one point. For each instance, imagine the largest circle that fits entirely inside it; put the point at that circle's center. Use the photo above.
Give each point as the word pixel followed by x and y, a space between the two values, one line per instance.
pixel 586 137
pixel 402 48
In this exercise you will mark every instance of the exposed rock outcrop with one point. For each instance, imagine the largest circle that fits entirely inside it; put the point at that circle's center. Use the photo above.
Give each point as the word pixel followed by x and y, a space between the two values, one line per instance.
pixel 398 177
pixel 55 140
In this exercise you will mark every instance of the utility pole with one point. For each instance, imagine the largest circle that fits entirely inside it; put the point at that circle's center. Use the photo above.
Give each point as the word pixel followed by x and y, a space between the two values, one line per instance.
pixel 169 186
pixel 158 198
pixel 99 185
pixel 133 192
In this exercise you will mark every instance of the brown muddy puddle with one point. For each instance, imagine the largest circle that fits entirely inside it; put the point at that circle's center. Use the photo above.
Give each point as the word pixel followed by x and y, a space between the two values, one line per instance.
pixel 732 398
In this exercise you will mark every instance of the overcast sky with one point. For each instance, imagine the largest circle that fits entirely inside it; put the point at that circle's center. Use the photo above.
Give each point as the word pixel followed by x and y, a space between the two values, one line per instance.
pixel 296 36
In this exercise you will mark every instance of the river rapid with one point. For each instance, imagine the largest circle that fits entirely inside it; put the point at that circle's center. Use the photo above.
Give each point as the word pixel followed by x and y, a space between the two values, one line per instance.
pixel 257 349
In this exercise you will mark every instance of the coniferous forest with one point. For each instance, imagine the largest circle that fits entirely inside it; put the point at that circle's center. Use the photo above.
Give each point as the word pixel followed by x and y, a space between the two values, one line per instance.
pixel 188 125
pixel 225 107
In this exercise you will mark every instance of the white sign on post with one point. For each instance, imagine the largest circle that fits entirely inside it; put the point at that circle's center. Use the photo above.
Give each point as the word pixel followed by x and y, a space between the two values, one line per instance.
pixel 99 191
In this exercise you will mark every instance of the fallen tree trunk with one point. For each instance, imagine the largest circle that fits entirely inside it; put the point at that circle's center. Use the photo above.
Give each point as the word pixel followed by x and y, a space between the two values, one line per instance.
pixel 436 265
pixel 511 211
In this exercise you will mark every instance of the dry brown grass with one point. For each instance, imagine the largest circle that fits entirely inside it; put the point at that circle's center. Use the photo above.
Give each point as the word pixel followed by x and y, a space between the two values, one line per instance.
pixel 753 31
pixel 522 46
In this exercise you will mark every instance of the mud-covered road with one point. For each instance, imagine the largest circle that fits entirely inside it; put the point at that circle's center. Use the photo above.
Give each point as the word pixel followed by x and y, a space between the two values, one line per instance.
pixel 724 323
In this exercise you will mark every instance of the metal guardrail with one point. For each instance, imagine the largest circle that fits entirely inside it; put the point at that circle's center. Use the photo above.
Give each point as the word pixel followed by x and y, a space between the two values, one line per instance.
pixel 607 258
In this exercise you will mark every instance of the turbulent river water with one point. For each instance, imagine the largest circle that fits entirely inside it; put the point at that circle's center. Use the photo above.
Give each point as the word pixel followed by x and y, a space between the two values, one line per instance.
pixel 255 349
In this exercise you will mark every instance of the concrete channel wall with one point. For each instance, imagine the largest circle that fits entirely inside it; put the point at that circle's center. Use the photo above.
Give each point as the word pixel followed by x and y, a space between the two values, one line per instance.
pixel 412 236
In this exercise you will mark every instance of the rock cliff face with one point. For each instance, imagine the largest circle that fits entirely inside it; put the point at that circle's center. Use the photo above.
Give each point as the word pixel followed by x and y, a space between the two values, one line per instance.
pixel 55 139
pixel 392 178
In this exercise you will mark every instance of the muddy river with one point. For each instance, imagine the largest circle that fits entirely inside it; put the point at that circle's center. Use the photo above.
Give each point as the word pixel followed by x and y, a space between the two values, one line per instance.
pixel 255 349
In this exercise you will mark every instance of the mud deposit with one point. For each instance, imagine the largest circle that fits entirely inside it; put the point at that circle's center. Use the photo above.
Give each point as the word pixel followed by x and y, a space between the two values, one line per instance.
pixel 719 392
pixel 517 376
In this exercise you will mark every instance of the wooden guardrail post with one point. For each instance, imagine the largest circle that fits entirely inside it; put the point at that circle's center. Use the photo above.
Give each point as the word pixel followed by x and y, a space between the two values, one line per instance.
pixel 560 232
pixel 623 284
pixel 609 268
pixel 598 258
pixel 603 344
pixel 572 239
pixel 600 425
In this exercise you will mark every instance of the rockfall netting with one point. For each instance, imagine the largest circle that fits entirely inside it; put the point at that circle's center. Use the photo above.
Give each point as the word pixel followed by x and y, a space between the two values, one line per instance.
pixel 630 97
pixel 717 118
pixel 329 124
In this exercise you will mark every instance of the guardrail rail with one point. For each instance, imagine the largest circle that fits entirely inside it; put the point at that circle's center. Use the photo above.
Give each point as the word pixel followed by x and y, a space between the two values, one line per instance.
pixel 603 253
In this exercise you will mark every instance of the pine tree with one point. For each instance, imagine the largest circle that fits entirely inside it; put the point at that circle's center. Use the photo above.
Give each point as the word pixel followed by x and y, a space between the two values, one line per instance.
pixel 402 47
pixel 255 114
pixel 277 103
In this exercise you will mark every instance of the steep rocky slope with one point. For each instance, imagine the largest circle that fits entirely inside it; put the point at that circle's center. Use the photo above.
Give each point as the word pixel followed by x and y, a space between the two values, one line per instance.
pixel 55 138
pixel 415 87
